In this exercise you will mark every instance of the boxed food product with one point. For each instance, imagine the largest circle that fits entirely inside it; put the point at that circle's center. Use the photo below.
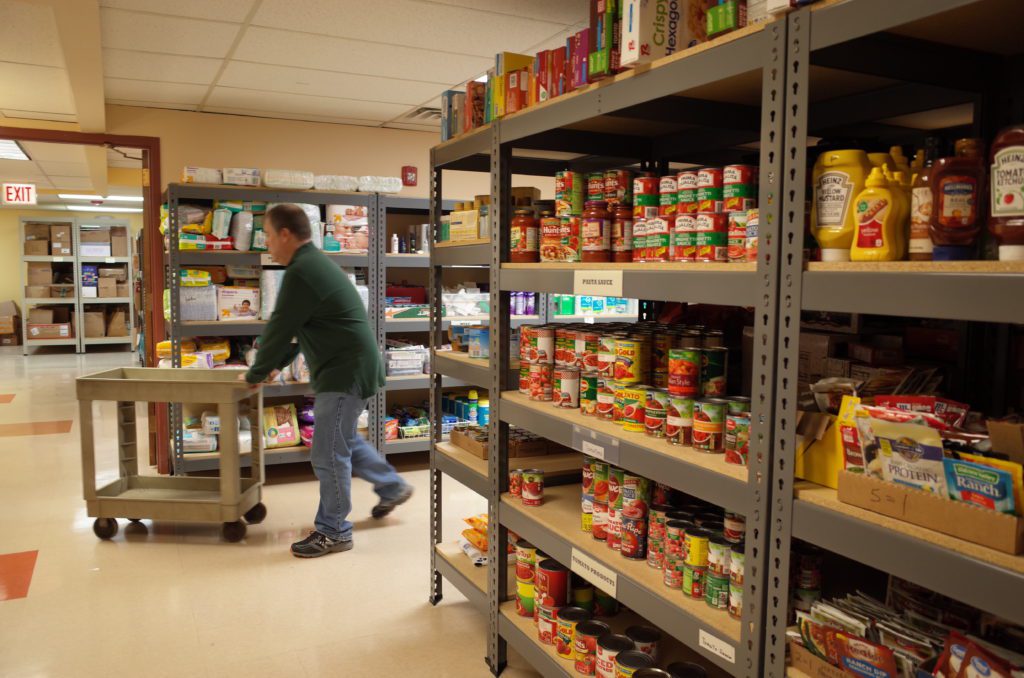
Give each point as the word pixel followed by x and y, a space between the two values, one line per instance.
pixel 200 175
pixel 238 303
pixel 240 176
pixel 649 33
pixel 118 242
pixel 95 324
pixel 280 425
pixel 39 273
pixel 37 248
pixel 727 15
pixel 198 303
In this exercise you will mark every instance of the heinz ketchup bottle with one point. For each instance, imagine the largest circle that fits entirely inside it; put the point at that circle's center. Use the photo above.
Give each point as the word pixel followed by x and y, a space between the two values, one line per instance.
pixel 1006 208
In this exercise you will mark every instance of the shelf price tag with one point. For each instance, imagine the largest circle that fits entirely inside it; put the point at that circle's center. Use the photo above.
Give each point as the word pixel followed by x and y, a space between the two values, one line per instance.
pixel 595 444
pixel 111 260
pixel 267 260
pixel 597 283
pixel 59 260
pixel 717 646
pixel 597 574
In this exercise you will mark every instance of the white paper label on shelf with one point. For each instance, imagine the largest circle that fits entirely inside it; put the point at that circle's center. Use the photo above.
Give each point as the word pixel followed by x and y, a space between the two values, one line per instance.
pixel 597 283
pixel 111 260
pixel 595 444
pixel 717 646
pixel 267 260
pixel 597 574
pixel 59 260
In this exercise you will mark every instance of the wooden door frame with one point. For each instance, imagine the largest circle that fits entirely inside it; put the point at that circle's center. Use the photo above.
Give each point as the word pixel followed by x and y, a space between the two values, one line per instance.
pixel 151 256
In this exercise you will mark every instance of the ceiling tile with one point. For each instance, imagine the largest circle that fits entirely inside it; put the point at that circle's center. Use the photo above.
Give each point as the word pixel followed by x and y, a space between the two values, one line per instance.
pixel 325 83
pixel 153 104
pixel 35 88
pixel 219 10
pixel 28 34
pixel 291 116
pixel 173 35
pixel 71 182
pixel 258 100
pixel 20 167
pixel 406 22
pixel 36 115
pixel 159 92
pixel 561 11
pixel 119 63
pixel 64 169
pixel 42 151
pixel 268 46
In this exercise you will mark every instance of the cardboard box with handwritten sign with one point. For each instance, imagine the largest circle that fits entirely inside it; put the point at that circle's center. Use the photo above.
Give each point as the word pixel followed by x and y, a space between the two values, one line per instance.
pixel 974 524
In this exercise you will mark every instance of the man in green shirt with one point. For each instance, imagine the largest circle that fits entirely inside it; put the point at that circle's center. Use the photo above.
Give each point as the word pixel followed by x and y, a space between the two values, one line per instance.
pixel 319 306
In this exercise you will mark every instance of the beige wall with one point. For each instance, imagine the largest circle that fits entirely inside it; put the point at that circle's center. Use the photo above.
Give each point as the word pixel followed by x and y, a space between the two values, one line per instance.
pixel 11 247
pixel 212 140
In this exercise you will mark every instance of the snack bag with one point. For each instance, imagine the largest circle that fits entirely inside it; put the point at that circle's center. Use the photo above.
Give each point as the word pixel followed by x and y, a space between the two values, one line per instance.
pixel 853 458
pixel 478 523
pixel 978 663
pixel 950 411
pixel 306 434
pixel 475 538
pixel 981 485
pixel 864 658
pixel 280 425
pixel 163 348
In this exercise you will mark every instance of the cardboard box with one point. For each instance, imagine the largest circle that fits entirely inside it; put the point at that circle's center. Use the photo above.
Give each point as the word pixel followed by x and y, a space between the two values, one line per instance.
pixel 95 324
pixel 117 323
pixel 37 248
pixel 39 273
pixel 37 232
pixel 10 317
pixel 802 660
pixel 37 291
pixel 118 273
pixel 54 331
pixel 964 521
pixel 123 289
pixel 525 195
pixel 62 291
pixel 92 249
pixel 13 339
pixel 60 232
pixel 237 303
pixel 107 288
pixel 819 451
pixel 118 242
pixel 838 367
pixel 826 321
pixel 95 235
pixel 878 351
pixel 815 350
pixel 878 380
pixel 649 34
pixel 60 248
pixel 49 315
pixel 469 444
pixel 1007 438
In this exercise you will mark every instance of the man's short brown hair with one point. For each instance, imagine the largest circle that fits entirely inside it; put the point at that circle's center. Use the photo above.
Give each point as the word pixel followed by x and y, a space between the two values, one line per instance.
pixel 291 218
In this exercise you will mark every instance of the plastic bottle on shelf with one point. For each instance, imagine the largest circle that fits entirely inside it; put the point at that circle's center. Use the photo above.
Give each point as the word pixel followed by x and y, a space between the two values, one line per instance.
pixel 838 177
pixel 394 244
pixel 412 240
pixel 900 163
pixel 483 412
pixel 879 159
pixel 957 186
pixel 878 208
pixel 900 183
pixel 921 201
pixel 472 407
pixel 1006 209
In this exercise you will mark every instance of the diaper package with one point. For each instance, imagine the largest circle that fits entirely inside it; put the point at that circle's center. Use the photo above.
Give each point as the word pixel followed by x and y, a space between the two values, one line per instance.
pixel 292 179
pixel 280 426
pixel 241 230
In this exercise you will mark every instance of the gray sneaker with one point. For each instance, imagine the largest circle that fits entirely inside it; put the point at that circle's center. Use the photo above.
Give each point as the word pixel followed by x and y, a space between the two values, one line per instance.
pixel 319 544
pixel 383 508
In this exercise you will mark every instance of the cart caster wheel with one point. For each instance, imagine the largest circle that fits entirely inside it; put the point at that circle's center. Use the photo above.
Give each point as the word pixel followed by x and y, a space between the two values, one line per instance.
pixel 105 528
pixel 256 514
pixel 233 531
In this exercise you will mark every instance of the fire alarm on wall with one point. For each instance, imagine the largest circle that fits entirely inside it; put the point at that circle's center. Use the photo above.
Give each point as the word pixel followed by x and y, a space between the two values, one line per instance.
pixel 409 175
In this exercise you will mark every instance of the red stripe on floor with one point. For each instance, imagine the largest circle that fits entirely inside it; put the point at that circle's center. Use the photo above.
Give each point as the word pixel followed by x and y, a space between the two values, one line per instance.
pixel 16 574
pixel 35 428
pixel 6 398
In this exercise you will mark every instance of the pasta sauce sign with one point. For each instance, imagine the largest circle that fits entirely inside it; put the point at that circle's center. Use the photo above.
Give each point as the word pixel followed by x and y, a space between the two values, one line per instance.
pixel 18 194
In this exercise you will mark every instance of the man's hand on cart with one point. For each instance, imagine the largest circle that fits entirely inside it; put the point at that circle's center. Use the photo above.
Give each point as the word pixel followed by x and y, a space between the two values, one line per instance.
pixel 271 378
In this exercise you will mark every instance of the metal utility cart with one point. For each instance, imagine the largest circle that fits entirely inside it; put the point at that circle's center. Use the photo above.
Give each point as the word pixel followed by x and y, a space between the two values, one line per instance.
pixel 225 500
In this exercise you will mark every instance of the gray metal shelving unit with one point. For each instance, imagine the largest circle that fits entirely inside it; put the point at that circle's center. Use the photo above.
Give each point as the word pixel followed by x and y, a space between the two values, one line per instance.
pixel 28 302
pixel 128 302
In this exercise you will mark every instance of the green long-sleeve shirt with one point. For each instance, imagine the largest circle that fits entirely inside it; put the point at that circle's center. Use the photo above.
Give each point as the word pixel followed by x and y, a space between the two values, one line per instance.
pixel 319 305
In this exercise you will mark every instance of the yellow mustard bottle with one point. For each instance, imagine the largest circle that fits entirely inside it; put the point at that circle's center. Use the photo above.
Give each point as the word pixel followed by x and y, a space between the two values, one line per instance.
pixel 879 159
pixel 904 183
pixel 876 210
pixel 900 163
pixel 838 177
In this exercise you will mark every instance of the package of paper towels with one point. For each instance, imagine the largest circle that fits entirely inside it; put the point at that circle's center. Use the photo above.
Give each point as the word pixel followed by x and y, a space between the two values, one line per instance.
pixel 279 178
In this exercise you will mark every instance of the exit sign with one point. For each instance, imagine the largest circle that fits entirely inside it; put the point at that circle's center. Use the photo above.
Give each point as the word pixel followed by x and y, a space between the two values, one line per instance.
pixel 19 194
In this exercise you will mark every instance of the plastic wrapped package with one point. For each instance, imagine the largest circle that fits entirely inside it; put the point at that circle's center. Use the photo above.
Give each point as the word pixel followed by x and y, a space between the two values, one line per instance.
pixel 364 420
pixel 280 425
pixel 306 411
pixel 259 238
pixel 241 176
pixel 221 225
pixel 350 225
pixel 243 272
pixel 163 348
pixel 373 184
pixel 335 182
pixel 197 360
pixel 195 277
pixel 300 369
pixel 294 179
pixel 200 175
pixel 241 206
pixel 198 303
pixel 194 219
pixel 195 440
pixel 219 348
pixel 241 230
pixel 306 434
pixel 211 423
pixel 270 286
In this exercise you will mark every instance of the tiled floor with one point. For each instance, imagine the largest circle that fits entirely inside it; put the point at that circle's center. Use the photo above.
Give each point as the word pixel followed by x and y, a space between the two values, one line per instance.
pixel 174 600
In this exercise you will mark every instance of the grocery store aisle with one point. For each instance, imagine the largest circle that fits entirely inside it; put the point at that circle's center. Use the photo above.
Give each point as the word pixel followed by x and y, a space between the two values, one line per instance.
pixel 172 600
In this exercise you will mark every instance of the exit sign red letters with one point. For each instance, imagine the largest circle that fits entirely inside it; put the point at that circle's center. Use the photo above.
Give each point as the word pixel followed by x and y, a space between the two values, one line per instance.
pixel 19 194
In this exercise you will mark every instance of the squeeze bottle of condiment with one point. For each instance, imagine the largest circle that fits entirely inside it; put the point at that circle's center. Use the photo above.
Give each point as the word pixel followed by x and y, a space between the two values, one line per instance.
pixel 838 177
pixel 901 205
pixel 921 203
pixel 903 231
pixel 899 161
pixel 957 186
pixel 877 211
pixel 879 159
pixel 1006 215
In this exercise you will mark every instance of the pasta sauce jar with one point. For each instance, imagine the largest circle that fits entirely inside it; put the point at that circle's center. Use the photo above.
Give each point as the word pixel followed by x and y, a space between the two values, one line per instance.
pixel 597 232
pixel 622 232
pixel 524 247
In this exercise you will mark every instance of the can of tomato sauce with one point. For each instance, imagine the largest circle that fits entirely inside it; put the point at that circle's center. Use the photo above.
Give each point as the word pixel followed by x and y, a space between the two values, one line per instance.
pixel 569 236
pixel 547 623
pixel 533 487
pixel 614 529
pixel 753 224
pixel 605 604
pixel 668 190
pixel 675 534
pixel 588 346
pixel 587 633
pixel 646 639
pixel 566 388
pixel 693 581
pixel 524 378
pixel 679 420
pixel 632 358
pixel 636 493
pixel 526 561
pixel 708 424
pixel 710 189
pixel 737 563
pixel 560 341
pixel 739 187
pixel 696 545
pixel 655 412
pixel 608 648
pixel 618 186
pixel 540 347
pixel 587 512
pixel 737 438
pixel 655 551
pixel 633 415
pixel 634 533
pixel 684 372
pixel 660 346
pixel 587 483
pixel 541 376
pixel 588 394
pixel 565 637
pixel 659 237
pixel 599 521
pixel 552 583
pixel 658 517
pixel 686 182
pixel 569 190
pixel 735 601
pixel 605 398
pixel 582 594
pixel 719 552
pixel 713 363
pixel 525 599
pixel 550 237
pixel 672 575
pixel 515 482
pixel 712 236
pixel 735 526
pixel 640 236
pixel 601 482
pixel 595 186
pixel 616 478
pixel 628 663
pixel 736 247
pixel 606 356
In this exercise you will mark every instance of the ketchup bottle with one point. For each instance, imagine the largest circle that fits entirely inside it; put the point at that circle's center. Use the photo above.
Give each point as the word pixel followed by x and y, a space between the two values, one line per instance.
pixel 1006 209
pixel 957 186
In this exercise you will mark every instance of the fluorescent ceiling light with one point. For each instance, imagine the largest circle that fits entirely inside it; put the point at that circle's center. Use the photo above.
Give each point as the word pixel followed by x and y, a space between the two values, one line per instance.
pixel 12 150
pixel 112 198
pixel 100 208
pixel 482 78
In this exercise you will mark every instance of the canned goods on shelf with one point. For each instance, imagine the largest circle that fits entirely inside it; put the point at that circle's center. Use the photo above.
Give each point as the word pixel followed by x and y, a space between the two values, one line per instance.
pixel 693 581
pixel 588 394
pixel 585 645
pixel 565 636
pixel 601 481
pixel 615 481
pixel 696 545
pixel 552 582
pixel 719 552
pixel 737 563
pixel 608 647
pixel 566 387
pixel 599 521
pixel 613 540
pixel 636 494
pixel 735 526
pixel 633 539
pixel 679 420
pixel 716 591
pixel 714 362
pixel 753 221
pixel 737 438
pixel 708 424
pixel 515 482
pixel 736 250
pixel 632 413
pixel 735 600
pixel 541 378
pixel 533 487
pixel 646 639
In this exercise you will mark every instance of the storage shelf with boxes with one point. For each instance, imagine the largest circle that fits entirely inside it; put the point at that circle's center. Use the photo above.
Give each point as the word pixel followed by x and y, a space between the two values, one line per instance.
pixel 48 269
pixel 106 302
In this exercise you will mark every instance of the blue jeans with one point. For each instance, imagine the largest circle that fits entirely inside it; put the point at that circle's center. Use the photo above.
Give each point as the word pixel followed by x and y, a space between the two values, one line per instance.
pixel 338 453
